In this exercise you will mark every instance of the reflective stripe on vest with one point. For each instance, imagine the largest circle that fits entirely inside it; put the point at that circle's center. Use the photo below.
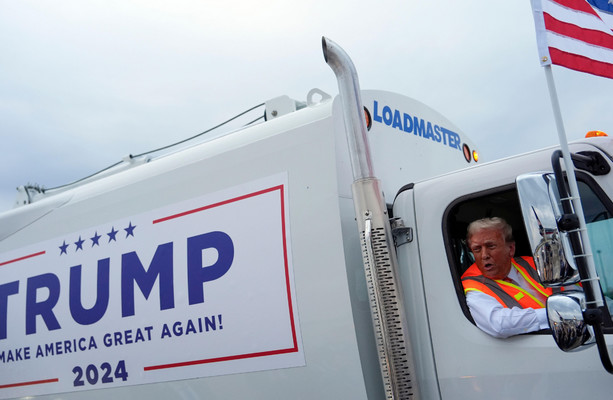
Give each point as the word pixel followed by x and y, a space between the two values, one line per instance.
pixel 507 293
pixel 528 271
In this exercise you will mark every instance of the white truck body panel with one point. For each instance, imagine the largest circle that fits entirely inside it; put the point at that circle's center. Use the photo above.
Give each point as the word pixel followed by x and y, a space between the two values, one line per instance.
pixel 335 355
pixel 314 221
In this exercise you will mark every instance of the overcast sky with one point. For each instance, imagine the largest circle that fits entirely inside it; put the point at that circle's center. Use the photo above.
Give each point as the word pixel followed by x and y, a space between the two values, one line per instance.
pixel 84 83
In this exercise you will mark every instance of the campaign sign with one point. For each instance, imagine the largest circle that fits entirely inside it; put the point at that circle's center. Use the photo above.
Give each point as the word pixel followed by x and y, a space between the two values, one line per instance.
pixel 195 289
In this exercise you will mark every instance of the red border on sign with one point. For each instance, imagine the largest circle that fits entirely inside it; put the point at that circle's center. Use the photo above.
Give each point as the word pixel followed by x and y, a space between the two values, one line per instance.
pixel 12 385
pixel 40 253
pixel 293 349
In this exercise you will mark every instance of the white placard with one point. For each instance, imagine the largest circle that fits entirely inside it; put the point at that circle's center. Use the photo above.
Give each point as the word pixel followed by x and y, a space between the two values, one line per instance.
pixel 195 289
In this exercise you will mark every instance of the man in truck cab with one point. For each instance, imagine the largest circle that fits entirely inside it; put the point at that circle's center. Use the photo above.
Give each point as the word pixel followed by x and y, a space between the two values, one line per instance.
pixel 503 293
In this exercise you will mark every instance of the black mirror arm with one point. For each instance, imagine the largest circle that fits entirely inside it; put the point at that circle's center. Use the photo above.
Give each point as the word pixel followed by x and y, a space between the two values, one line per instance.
pixel 602 345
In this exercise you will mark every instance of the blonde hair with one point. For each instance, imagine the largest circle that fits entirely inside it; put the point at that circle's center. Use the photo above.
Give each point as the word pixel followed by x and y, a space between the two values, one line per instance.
pixel 490 223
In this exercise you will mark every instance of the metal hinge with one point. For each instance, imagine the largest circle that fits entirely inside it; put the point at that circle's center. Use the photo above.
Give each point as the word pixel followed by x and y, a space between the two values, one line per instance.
pixel 402 234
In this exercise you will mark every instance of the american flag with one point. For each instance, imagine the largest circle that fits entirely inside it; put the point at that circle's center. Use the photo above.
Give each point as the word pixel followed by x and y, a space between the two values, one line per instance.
pixel 575 34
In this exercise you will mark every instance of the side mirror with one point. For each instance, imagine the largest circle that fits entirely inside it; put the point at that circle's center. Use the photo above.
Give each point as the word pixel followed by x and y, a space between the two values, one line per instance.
pixel 551 249
pixel 574 317
pixel 565 314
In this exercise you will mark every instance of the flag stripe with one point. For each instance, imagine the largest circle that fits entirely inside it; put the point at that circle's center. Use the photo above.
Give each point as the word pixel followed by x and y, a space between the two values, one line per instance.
pixel 594 37
pixel 587 20
pixel 583 6
pixel 569 45
pixel 580 63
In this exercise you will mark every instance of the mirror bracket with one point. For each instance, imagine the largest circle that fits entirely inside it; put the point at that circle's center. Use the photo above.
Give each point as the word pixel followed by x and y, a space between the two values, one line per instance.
pixel 568 222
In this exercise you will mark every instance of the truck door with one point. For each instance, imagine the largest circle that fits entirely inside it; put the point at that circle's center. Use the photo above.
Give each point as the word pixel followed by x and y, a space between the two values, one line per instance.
pixel 467 362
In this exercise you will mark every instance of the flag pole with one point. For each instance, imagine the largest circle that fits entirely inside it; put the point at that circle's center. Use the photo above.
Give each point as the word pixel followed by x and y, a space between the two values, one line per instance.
pixel 574 189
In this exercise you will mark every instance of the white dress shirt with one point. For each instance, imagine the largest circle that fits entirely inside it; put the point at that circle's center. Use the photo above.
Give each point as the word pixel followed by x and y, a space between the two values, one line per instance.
pixel 501 322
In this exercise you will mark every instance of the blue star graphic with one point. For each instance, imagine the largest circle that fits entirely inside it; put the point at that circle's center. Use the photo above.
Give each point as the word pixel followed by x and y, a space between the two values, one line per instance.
pixel 79 243
pixel 112 234
pixel 95 239
pixel 63 248
pixel 130 230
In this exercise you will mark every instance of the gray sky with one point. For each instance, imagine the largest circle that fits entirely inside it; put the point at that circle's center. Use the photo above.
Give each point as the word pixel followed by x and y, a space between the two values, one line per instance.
pixel 84 83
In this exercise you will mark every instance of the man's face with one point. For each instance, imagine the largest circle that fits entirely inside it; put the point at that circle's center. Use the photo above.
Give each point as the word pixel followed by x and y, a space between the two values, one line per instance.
pixel 492 254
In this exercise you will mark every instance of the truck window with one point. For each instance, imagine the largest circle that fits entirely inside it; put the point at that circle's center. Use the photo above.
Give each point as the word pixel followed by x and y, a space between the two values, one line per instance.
pixel 503 202
pixel 598 212
pixel 499 202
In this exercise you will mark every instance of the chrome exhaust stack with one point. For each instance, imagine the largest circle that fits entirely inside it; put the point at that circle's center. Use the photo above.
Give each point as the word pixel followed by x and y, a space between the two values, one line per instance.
pixel 378 251
pixel 353 109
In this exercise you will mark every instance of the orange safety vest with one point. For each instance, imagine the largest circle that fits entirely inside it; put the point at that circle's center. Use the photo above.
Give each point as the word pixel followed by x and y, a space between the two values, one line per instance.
pixel 507 293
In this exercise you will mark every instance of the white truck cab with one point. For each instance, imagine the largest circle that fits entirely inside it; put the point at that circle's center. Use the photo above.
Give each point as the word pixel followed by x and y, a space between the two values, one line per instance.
pixel 233 268
pixel 467 362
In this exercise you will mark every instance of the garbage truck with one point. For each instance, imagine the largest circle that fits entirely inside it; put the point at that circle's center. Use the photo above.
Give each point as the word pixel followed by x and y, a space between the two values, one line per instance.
pixel 315 255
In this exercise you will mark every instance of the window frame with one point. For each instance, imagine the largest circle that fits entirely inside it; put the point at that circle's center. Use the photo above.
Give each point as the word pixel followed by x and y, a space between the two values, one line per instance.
pixel 450 232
